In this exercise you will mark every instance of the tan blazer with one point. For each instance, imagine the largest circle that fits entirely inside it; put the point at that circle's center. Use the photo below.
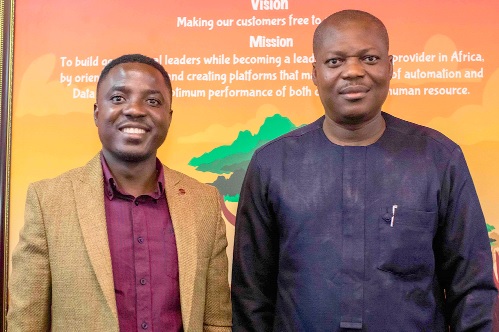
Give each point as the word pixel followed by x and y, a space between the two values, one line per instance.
pixel 62 277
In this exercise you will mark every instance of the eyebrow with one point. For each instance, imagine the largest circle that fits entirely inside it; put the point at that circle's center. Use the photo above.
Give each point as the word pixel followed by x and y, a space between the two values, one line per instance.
pixel 358 52
pixel 125 89
pixel 152 92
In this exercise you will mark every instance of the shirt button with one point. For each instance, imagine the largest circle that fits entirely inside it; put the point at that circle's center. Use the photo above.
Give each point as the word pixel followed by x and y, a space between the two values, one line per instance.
pixel 136 203
pixel 140 240
pixel 142 281
pixel 144 326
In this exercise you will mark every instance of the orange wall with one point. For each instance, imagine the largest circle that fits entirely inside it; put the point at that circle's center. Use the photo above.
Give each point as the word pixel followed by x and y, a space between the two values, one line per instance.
pixel 53 131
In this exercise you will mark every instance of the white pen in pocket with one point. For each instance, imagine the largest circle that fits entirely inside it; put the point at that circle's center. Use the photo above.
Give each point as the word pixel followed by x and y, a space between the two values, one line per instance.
pixel 394 207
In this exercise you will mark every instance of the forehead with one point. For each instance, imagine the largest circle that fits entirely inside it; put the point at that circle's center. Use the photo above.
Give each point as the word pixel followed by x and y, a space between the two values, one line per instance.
pixel 363 34
pixel 134 74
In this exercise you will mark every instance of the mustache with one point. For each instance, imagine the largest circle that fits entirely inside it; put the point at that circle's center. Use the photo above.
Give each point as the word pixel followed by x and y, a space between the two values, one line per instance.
pixel 134 124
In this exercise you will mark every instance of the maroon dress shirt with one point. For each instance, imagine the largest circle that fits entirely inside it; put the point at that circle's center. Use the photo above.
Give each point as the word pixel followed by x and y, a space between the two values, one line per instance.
pixel 144 257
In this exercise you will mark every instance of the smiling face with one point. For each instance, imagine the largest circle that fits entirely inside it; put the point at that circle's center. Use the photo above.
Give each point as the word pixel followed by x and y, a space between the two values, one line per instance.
pixel 132 113
pixel 352 71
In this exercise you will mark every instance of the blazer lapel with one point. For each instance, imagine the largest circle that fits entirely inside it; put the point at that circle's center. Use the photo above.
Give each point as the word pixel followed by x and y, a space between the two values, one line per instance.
pixel 89 197
pixel 179 200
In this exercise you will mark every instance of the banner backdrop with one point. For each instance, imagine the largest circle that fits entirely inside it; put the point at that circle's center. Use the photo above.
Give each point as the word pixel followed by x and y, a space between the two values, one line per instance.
pixel 241 74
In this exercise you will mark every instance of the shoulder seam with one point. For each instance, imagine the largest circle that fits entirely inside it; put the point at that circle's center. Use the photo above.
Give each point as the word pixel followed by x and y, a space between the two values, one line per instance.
pixel 292 134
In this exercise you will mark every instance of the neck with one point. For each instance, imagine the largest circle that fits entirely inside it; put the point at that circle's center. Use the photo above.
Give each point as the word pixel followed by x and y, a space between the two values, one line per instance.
pixel 135 178
pixel 361 134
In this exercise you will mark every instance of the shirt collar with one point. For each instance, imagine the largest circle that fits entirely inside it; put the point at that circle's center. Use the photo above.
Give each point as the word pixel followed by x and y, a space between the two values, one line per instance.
pixel 111 187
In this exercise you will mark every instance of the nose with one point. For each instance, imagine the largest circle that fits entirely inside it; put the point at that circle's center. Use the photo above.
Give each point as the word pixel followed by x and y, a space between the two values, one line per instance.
pixel 353 68
pixel 134 109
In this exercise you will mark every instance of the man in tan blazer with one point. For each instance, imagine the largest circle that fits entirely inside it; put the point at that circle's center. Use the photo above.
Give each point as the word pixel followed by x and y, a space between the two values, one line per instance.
pixel 63 276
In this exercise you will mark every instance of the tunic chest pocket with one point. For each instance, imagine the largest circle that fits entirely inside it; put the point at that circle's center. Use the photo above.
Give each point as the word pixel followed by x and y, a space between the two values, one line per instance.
pixel 406 239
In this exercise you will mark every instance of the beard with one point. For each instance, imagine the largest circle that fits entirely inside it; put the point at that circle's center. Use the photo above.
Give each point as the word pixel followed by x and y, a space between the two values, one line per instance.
pixel 130 156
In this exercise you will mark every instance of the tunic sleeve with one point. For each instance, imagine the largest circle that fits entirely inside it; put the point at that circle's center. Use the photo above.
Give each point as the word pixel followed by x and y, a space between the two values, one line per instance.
pixel 255 260
pixel 463 253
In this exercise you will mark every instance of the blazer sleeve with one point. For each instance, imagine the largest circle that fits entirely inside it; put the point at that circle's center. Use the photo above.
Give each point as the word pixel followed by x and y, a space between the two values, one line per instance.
pixel 218 311
pixel 30 281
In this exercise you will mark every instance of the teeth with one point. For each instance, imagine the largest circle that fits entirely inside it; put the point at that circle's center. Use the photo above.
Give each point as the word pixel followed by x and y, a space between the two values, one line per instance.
pixel 133 131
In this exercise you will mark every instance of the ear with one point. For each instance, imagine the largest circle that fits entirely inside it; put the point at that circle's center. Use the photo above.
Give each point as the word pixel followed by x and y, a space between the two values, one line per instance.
pixel 314 73
pixel 96 112
pixel 170 113
pixel 390 57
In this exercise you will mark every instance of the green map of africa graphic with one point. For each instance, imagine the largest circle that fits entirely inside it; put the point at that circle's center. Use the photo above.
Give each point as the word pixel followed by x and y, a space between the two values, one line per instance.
pixel 233 159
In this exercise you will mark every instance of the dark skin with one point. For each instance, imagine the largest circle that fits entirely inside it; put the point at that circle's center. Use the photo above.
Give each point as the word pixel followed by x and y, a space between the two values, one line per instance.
pixel 352 74
pixel 133 114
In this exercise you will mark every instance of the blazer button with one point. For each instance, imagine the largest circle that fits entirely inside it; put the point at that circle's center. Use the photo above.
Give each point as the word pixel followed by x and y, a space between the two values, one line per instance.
pixel 144 326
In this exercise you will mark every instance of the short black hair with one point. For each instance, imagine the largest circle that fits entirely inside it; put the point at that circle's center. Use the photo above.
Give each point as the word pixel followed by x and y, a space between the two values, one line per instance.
pixel 129 58
pixel 346 16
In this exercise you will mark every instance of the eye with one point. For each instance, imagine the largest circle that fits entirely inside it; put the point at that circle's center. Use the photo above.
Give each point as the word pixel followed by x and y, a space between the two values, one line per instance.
pixel 117 99
pixel 154 102
pixel 371 59
pixel 334 62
